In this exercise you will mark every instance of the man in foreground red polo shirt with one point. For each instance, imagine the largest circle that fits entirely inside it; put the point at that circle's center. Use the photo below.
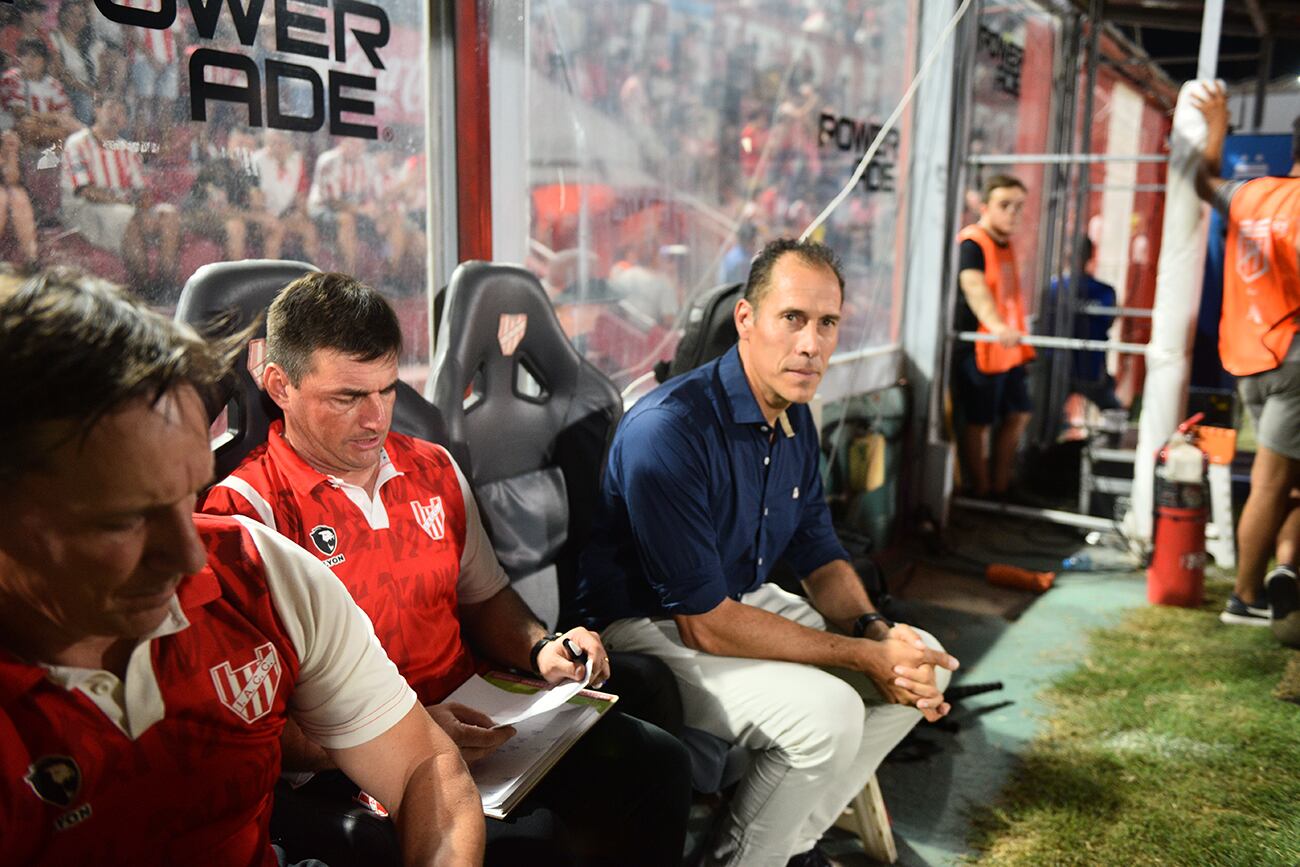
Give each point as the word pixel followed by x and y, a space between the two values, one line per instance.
pixel 150 658
pixel 395 520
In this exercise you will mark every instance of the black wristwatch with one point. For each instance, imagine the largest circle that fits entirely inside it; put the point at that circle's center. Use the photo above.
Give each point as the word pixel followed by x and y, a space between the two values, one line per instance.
pixel 860 625
pixel 537 649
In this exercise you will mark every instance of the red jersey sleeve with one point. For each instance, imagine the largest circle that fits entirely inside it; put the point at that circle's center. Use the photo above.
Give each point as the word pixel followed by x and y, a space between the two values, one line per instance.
pixel 221 500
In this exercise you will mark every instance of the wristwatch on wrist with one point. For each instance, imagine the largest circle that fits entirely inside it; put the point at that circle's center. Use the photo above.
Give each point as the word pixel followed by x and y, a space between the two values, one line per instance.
pixel 537 649
pixel 864 622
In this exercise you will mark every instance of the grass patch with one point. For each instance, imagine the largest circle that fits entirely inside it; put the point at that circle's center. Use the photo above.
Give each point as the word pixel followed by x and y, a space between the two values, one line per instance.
pixel 1165 746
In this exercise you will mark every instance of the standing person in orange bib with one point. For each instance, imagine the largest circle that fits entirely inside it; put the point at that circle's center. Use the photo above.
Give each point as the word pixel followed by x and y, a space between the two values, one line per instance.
pixel 1261 305
pixel 989 384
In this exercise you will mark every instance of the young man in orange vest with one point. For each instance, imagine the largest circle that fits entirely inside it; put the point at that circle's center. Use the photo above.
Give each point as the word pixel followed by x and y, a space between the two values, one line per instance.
pixel 1261 305
pixel 989 384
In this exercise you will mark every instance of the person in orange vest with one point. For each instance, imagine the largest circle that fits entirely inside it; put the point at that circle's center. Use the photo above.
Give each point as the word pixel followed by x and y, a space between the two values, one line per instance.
pixel 1261 306
pixel 989 384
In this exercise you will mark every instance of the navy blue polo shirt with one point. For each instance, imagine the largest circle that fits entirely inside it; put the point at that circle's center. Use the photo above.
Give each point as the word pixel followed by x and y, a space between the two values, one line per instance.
pixel 700 498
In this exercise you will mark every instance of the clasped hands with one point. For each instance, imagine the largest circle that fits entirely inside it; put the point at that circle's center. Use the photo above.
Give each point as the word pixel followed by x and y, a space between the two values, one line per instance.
pixel 902 667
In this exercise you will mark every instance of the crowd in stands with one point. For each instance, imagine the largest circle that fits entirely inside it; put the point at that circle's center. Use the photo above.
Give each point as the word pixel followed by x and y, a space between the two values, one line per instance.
pixel 722 114
pixel 101 167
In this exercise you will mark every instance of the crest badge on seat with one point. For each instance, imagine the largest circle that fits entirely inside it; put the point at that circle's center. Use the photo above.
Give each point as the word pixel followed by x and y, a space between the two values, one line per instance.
pixel 511 331
pixel 257 359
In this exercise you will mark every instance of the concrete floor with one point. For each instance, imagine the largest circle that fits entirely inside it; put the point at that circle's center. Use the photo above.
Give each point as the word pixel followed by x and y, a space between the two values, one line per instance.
pixel 1020 639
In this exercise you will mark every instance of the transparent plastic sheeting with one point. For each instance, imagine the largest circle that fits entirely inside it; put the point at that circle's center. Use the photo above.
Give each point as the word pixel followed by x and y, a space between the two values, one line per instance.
pixel 1177 302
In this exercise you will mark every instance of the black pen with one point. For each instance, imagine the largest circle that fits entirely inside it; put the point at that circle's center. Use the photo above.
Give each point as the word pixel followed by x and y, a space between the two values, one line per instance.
pixel 576 653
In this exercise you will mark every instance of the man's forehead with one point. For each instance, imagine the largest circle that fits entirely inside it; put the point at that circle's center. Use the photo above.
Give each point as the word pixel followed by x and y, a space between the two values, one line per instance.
pixel 799 284
pixel 117 459
pixel 332 370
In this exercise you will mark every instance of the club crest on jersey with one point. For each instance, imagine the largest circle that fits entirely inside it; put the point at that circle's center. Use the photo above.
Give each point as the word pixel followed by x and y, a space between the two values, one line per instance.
pixel 1254 243
pixel 249 691
pixel 511 330
pixel 431 518
pixel 257 359
pixel 325 539
pixel 55 779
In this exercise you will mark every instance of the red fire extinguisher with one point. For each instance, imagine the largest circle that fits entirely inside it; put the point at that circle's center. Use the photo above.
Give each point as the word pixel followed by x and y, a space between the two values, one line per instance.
pixel 1177 572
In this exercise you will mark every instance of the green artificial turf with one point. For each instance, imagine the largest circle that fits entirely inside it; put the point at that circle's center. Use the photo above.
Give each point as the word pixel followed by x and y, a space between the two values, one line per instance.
pixel 1166 745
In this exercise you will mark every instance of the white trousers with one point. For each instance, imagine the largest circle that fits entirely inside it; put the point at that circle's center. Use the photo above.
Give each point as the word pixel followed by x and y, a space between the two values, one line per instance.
pixel 817 736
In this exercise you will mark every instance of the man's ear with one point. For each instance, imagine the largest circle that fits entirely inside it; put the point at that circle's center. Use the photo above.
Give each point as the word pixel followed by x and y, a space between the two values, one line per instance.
pixel 744 316
pixel 275 382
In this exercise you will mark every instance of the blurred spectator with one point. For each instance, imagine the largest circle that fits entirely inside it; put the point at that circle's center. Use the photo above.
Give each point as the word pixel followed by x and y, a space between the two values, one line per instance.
pixel 339 197
pixel 218 204
pixel 735 263
pixel 104 198
pixel 393 196
pixel 72 62
pixel 281 193
pixel 15 206
pixel 753 141
pixel 155 68
pixel 1088 374
pixel 36 100
pixel 27 21
pixel 642 288
pixel 343 204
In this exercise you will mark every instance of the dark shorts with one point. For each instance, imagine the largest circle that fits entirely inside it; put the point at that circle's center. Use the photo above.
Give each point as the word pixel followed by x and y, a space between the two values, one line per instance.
pixel 1273 400
pixel 984 398
pixel 328 223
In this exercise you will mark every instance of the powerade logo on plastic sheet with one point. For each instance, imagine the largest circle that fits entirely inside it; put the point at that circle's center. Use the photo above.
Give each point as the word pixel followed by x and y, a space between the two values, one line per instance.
pixel 1008 56
pixel 295 34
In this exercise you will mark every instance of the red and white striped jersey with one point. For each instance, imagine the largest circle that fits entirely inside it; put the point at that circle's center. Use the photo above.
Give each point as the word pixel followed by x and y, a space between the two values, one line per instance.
pixel 180 757
pixel 338 178
pixel 87 162
pixel 17 92
pixel 410 556
pixel 158 44
pixel 280 182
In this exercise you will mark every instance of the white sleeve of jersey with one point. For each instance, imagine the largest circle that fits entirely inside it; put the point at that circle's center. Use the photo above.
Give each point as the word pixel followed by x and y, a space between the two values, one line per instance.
pixel 481 575
pixel 348 692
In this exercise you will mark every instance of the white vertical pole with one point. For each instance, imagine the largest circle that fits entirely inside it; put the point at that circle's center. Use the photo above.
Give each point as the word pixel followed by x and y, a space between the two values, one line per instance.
pixel 1178 283
pixel 1207 63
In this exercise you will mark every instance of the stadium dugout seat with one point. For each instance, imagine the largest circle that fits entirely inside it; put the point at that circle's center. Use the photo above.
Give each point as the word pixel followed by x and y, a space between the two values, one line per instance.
pixel 321 821
pixel 534 417
pixel 226 296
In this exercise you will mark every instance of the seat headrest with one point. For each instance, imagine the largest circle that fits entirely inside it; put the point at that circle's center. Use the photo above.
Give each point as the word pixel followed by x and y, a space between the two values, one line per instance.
pixel 497 319
pixel 230 296
pixel 235 294
pixel 244 289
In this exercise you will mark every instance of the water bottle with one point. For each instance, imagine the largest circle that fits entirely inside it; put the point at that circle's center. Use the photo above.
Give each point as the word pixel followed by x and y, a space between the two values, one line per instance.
pixel 1102 560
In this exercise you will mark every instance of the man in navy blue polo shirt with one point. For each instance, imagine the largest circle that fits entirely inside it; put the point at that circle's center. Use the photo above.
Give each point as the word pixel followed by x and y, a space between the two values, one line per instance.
pixel 712 478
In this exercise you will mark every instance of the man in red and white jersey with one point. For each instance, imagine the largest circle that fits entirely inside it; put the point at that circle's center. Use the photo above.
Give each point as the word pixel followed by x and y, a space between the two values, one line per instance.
pixel 1257 329
pixel 35 98
pixel 395 519
pixel 104 198
pixel 282 193
pixel 342 200
pixel 155 65
pixel 150 658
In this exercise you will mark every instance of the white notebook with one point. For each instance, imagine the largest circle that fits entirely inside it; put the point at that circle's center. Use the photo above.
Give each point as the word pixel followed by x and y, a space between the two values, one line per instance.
pixel 545 727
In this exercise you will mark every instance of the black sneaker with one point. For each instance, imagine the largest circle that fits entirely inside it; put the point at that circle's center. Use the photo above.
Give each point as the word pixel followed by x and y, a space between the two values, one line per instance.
pixel 814 857
pixel 1238 613
pixel 1282 587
